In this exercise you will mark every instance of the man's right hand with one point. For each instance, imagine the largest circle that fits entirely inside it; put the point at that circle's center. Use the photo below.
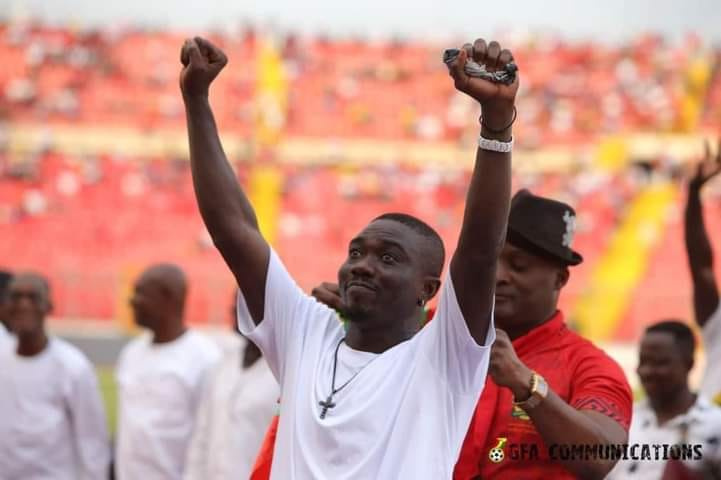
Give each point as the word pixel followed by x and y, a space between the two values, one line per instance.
pixel 202 62
pixel 708 168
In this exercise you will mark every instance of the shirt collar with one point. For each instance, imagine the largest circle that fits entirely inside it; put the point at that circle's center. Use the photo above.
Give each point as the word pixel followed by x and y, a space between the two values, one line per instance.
pixel 696 414
pixel 540 334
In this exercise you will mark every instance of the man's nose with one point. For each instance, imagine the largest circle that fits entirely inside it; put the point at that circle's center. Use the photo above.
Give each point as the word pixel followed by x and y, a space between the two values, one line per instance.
pixel 362 267
pixel 502 274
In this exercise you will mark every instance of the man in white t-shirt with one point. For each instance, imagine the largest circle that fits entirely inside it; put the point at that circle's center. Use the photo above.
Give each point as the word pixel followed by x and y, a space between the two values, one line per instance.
pixel 675 434
pixel 239 401
pixel 52 423
pixel 160 379
pixel 376 401
pixel 700 257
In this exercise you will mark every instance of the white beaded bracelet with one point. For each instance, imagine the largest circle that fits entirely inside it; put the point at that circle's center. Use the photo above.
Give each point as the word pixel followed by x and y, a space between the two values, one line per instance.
pixel 495 145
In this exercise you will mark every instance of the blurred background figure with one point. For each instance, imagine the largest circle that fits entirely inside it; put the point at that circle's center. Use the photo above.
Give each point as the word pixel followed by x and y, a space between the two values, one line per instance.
pixel 160 379
pixel 707 310
pixel 239 401
pixel 52 422
pixel 671 415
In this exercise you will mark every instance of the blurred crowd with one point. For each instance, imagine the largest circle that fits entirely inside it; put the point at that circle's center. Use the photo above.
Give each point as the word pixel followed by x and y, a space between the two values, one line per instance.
pixel 572 91
pixel 42 193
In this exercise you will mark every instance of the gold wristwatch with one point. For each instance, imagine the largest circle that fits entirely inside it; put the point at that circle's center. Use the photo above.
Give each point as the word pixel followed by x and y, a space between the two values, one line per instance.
pixel 539 390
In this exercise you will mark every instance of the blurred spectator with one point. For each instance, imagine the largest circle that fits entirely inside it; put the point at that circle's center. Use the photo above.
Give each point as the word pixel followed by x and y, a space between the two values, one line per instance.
pixel 160 380
pixel 52 423
pixel 238 402
pixel 707 309
pixel 672 419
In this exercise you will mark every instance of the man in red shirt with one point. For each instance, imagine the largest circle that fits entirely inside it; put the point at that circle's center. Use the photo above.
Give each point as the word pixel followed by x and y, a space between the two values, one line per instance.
pixel 553 393
pixel 551 390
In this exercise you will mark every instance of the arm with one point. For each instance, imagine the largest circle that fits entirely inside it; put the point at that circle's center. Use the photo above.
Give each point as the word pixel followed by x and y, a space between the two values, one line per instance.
pixel 592 422
pixel 698 247
pixel 560 423
pixel 89 425
pixel 225 209
pixel 483 232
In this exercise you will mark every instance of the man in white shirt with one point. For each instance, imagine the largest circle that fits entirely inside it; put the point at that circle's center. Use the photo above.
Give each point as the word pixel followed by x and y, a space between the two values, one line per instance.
pixel 160 380
pixel 239 401
pixel 378 400
pixel 674 432
pixel 700 258
pixel 52 423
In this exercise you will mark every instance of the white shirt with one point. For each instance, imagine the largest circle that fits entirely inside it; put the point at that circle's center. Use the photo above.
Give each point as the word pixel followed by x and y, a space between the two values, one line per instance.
pixel 52 422
pixel 238 405
pixel 405 414
pixel 159 390
pixel 701 425
pixel 711 333
pixel 4 334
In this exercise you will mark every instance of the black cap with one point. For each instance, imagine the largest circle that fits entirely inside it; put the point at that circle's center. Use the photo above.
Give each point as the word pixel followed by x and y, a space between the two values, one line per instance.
pixel 543 226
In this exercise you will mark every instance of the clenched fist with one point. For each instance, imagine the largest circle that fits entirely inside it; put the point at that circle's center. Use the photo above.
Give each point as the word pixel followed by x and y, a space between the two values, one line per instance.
pixel 496 99
pixel 507 370
pixel 202 62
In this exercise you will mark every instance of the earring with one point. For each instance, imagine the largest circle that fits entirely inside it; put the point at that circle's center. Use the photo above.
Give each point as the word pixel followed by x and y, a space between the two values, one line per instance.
pixel 421 302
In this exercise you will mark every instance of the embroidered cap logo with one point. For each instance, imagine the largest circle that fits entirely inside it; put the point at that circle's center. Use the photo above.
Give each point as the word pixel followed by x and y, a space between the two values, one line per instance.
pixel 570 221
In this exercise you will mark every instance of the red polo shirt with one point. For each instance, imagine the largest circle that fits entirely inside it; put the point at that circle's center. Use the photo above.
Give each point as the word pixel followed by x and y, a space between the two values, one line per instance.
pixel 580 373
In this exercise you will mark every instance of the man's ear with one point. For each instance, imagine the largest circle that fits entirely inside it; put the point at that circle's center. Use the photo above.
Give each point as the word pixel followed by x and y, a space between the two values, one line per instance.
pixel 430 287
pixel 690 363
pixel 562 277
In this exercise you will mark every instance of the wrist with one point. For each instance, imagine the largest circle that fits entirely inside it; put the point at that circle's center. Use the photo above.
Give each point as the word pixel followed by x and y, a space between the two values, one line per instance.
pixel 694 188
pixel 521 385
pixel 195 98
pixel 497 123
pixel 504 136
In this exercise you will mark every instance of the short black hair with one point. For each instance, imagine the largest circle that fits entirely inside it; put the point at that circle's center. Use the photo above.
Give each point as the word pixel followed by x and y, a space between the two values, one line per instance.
pixel 41 279
pixel 434 251
pixel 682 335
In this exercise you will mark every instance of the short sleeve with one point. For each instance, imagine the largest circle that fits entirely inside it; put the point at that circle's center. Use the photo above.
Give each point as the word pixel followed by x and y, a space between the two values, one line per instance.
pixel 289 315
pixel 600 385
pixel 454 353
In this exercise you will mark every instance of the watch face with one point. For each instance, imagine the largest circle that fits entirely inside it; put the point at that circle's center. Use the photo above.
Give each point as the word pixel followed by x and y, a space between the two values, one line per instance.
pixel 541 387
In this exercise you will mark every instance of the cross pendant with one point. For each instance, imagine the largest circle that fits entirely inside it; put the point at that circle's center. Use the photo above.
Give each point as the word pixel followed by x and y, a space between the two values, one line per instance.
pixel 328 403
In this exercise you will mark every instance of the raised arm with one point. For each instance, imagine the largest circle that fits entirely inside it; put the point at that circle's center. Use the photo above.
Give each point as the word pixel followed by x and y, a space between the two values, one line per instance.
pixel 473 266
pixel 225 209
pixel 698 247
